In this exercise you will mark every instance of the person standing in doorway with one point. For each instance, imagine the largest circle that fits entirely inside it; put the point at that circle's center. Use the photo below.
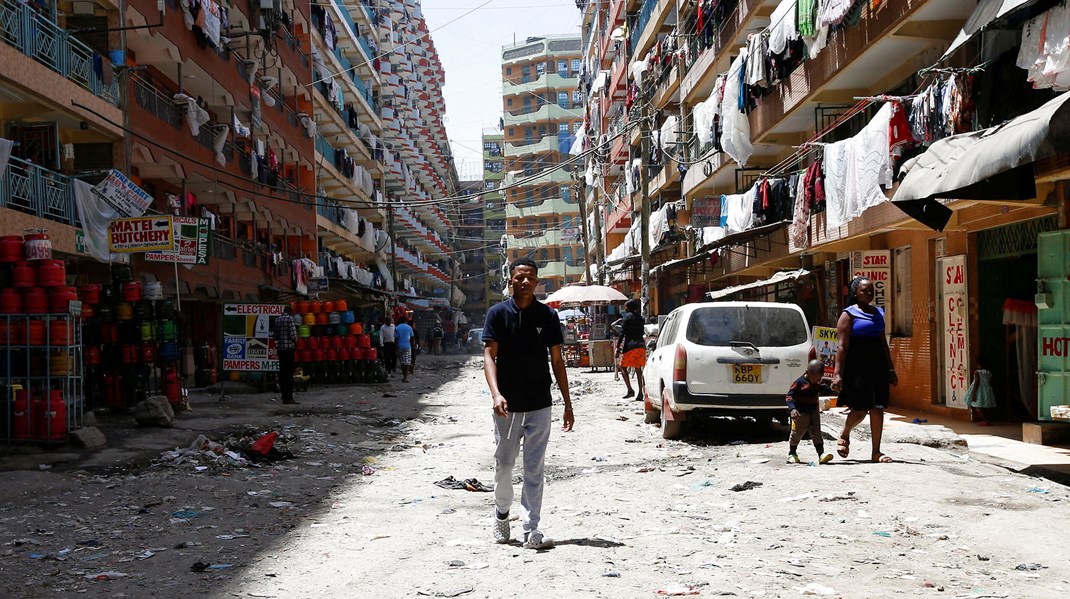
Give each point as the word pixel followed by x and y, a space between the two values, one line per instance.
pixel 403 333
pixel 864 370
pixel 285 334
pixel 522 341
pixel 436 339
pixel 390 349
pixel 631 346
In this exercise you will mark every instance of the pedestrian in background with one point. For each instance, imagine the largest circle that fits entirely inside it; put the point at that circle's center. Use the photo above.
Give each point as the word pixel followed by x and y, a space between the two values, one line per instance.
pixel 436 336
pixel 804 405
pixel 390 350
pixel 631 347
pixel 864 370
pixel 285 334
pixel 522 340
pixel 403 333
pixel 979 395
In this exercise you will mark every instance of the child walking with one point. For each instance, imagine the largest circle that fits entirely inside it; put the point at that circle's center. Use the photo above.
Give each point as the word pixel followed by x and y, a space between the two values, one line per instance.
pixel 979 395
pixel 804 402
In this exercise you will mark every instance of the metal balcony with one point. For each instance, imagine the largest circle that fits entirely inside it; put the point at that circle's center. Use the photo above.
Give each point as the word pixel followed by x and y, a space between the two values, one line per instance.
pixel 29 188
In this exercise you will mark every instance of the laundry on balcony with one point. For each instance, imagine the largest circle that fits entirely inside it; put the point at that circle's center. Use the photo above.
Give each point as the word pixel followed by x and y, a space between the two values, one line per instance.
pixel 196 115
pixel 218 142
pixel 735 136
pixel 96 215
pixel 857 169
pixel 944 108
pixel 207 20
pixel 1045 51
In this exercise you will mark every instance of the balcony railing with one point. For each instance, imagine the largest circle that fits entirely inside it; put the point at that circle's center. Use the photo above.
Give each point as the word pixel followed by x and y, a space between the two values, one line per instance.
pixel 644 18
pixel 51 45
pixel 29 188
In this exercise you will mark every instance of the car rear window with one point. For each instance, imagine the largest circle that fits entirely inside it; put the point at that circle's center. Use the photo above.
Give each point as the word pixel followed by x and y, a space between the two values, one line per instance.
pixel 762 326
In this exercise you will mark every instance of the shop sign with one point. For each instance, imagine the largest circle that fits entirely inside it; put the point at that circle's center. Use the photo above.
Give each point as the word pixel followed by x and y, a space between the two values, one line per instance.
pixel 826 342
pixel 318 285
pixel 706 212
pixel 876 265
pixel 247 342
pixel 123 195
pixel 141 234
pixel 954 327
pixel 191 242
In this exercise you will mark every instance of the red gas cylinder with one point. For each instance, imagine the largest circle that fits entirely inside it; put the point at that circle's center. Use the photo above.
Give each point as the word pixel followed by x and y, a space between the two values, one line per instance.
pixel 345 355
pixel 113 390
pixel 332 355
pixel 11 248
pixel 170 385
pixel 21 420
pixel 92 355
pixel 10 301
pixel 109 332
pixel 371 354
pixel 60 298
pixel 51 273
pixel 300 343
pixel 354 329
pixel 87 311
pixel 315 306
pixel 317 355
pixel 293 307
pixel 12 333
pixel 89 294
pixel 131 353
pixel 336 341
pixel 306 356
pixel 302 308
pixel 35 332
pixel 327 306
pixel 60 332
pixel 38 246
pixel 52 418
pixel 351 341
pixel 321 318
pixel 35 300
pixel 340 305
pixel 132 291
pixel 313 343
pixel 23 275
pixel 148 353
pixel 364 341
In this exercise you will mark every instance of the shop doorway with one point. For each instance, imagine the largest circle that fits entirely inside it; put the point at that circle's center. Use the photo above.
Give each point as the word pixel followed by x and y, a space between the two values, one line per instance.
pixel 1007 270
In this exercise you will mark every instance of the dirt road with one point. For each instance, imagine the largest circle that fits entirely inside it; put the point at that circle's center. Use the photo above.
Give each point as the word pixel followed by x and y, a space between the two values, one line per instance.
pixel 357 514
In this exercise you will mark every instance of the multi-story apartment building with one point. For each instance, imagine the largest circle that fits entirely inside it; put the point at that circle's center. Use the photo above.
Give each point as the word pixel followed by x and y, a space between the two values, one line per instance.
pixel 61 114
pixel 419 166
pixel 219 110
pixel 472 250
pixel 494 283
pixel 726 107
pixel 543 111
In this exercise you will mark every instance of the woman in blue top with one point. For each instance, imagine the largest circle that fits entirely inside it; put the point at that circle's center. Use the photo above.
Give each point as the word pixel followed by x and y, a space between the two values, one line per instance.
pixel 864 370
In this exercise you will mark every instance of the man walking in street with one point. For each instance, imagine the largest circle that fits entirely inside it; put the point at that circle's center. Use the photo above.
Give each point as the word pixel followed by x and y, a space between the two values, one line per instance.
pixel 285 333
pixel 404 333
pixel 390 350
pixel 522 341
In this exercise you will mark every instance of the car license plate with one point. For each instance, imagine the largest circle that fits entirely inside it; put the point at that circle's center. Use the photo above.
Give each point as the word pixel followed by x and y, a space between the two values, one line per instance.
pixel 747 373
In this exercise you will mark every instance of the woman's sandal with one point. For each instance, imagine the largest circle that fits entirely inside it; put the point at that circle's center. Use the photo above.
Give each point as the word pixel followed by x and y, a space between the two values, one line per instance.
pixel 880 458
pixel 843 447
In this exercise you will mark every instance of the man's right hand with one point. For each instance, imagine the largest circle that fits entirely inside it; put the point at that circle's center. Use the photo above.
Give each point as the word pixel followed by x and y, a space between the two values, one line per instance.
pixel 501 407
pixel 795 414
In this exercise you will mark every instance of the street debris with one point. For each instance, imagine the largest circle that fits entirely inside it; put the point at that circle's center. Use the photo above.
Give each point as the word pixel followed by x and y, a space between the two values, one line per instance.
pixel 469 484
pixel 750 484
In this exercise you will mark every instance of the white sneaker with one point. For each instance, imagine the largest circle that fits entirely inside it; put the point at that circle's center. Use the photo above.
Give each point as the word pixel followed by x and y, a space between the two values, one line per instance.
pixel 501 530
pixel 535 540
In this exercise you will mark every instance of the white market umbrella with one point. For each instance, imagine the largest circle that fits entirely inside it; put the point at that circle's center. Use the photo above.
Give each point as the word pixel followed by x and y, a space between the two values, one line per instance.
pixel 584 295
pixel 569 313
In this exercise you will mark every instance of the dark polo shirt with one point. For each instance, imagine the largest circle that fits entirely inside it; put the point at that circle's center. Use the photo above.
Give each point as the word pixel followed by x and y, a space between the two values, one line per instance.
pixel 523 337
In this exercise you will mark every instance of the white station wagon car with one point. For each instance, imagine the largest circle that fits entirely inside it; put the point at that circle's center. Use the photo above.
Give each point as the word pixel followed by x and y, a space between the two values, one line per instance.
pixel 725 358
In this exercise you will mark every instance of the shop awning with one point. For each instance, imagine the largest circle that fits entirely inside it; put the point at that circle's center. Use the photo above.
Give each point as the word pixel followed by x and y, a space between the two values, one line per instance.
pixel 733 239
pixel 991 164
pixel 986 12
pixel 779 277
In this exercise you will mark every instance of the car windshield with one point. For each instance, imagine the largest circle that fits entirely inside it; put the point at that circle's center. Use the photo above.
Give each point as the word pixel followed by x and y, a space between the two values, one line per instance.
pixel 757 325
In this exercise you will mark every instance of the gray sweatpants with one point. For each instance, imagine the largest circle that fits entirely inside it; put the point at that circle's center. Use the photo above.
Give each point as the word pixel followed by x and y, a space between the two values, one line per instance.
pixel 807 421
pixel 534 429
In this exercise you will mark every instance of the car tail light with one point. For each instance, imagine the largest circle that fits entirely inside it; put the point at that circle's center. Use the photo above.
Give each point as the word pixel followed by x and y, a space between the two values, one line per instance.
pixel 679 365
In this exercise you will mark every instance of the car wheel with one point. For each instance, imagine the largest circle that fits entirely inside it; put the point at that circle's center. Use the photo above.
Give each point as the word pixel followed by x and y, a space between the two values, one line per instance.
pixel 670 429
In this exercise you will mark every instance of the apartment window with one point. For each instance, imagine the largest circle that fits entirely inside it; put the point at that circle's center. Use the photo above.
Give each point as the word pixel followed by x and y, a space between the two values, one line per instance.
pixel 562 99
pixel 527 134
pixel 568 256
pixel 508 70
pixel 902 300
pixel 576 126
pixel 562 68
pixel 525 74
pixel 566 193
pixel 527 102
pixel 577 98
pixel 491 184
pixel 510 132
pixel 529 195
pixel 562 128
pixel 509 102
pixel 542 130
pixel 575 66
pixel 544 254
pixel 540 68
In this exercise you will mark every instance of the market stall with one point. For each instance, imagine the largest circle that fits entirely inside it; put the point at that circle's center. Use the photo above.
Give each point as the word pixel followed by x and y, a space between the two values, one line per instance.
pixel 587 341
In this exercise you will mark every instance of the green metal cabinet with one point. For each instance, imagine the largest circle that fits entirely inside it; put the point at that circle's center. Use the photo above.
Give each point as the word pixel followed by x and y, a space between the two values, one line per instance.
pixel 1053 321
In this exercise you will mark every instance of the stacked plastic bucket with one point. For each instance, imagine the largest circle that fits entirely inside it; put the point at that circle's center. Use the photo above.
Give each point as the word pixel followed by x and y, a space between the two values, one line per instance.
pixel 332 346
